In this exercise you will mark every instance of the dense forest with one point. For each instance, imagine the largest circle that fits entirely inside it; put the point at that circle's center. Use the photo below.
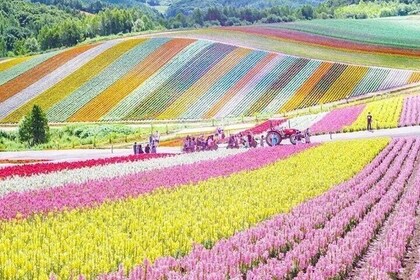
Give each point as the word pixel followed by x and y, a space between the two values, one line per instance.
pixel 39 25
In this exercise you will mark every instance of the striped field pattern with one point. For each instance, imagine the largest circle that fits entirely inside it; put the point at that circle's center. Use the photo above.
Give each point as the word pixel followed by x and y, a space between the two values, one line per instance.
pixel 175 78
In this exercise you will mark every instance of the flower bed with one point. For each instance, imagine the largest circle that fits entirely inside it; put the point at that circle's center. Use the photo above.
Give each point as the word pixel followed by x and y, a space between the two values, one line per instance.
pixel 45 168
pixel 411 111
pixel 168 222
pixel 337 119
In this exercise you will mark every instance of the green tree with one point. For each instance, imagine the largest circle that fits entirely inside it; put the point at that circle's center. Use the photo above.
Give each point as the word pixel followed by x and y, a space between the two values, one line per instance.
pixel 33 128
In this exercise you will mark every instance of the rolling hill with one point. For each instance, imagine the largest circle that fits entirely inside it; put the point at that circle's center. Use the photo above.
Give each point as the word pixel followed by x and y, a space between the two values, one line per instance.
pixel 385 42
pixel 177 78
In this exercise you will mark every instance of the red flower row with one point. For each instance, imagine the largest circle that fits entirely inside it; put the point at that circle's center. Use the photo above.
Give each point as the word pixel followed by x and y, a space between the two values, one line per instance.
pixel 49 167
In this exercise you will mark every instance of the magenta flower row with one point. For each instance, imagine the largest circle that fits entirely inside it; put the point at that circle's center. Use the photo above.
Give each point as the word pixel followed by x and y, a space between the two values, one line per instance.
pixel 340 256
pixel 388 250
pixel 337 119
pixel 260 251
pixel 263 127
pixel 411 111
pixel 96 192
pixel 368 193
pixel 49 167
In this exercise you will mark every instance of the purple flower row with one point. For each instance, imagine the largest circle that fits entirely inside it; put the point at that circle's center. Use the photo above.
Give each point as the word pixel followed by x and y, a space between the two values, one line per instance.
pixel 317 240
pixel 91 193
pixel 232 258
pixel 387 253
pixel 341 255
pixel 411 111
pixel 337 119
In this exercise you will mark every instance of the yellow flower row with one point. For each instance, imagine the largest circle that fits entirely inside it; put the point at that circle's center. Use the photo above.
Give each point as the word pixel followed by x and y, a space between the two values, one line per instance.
pixel 75 80
pixel 386 114
pixel 12 62
pixel 94 241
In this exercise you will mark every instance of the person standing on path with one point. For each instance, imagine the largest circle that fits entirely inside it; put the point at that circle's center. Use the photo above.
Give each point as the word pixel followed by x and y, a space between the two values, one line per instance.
pixel 135 148
pixel 369 121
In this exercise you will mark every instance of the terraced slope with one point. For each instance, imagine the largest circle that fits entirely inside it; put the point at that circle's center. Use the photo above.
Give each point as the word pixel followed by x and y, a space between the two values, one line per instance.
pixel 164 78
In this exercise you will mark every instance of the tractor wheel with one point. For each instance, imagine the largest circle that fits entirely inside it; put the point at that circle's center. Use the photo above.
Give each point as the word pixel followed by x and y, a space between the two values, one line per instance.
pixel 293 139
pixel 273 138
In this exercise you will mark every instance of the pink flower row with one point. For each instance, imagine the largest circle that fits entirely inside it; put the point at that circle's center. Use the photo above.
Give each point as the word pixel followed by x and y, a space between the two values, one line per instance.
pixel 411 111
pixel 337 119
pixel 49 167
pixel 372 189
pixel 234 257
pixel 96 192
pixel 343 253
pixel 263 127
pixel 389 249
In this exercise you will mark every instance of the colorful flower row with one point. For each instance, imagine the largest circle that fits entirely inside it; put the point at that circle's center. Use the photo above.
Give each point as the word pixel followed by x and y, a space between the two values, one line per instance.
pixel 331 42
pixel 14 86
pixel 49 167
pixel 27 63
pixel 307 252
pixel 385 114
pixel 75 81
pixel 411 111
pixel 102 172
pixel 168 222
pixel 337 119
pixel 237 256
pixel 305 121
pixel 96 192
pixel 151 82
pixel 388 251
pixel 340 256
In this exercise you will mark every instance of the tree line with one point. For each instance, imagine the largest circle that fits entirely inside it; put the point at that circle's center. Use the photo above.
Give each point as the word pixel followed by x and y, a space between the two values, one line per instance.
pixel 32 27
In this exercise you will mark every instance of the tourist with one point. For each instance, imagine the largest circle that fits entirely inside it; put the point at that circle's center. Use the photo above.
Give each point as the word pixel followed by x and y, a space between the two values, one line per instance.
pixel 369 121
pixel 262 141
pixel 157 137
pixel 193 144
pixel 135 148
pixel 307 136
pixel 147 149
pixel 153 150
pixel 140 149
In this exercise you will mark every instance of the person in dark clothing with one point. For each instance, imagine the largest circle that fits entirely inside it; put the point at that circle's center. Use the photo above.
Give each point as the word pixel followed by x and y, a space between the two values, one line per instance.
pixel 147 149
pixel 140 149
pixel 135 148
pixel 369 121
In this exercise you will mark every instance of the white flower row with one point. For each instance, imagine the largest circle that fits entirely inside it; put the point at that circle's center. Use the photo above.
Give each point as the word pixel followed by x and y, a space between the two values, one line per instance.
pixel 21 68
pixel 115 71
pixel 255 82
pixel 51 79
pixel 306 121
pixel 223 85
pixel 82 175
pixel 155 81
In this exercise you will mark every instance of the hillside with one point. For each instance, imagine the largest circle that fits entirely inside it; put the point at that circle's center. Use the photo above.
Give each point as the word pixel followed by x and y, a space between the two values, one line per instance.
pixel 163 78
pixel 386 42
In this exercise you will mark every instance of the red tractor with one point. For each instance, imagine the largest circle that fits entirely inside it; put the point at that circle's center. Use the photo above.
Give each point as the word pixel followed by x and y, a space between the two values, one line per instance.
pixel 275 136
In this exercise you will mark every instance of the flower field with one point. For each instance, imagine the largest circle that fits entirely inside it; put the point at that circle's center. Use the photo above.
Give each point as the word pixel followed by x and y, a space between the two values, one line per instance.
pixel 384 42
pixel 411 111
pixel 164 78
pixel 389 112
pixel 359 229
pixel 147 216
